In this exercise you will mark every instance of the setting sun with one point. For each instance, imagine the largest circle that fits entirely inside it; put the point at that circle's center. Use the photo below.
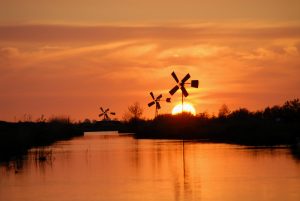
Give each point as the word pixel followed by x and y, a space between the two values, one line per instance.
pixel 187 107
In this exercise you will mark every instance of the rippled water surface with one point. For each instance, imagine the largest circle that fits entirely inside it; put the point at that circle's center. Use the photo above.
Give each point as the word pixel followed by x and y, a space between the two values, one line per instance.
pixel 110 167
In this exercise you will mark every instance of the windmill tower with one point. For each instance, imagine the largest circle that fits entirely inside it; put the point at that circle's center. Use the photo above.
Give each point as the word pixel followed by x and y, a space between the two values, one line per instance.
pixel 105 114
pixel 181 85
pixel 156 102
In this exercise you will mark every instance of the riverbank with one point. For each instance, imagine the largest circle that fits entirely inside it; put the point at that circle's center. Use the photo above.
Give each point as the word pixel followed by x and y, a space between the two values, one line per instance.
pixel 17 138
pixel 248 131
pixel 277 125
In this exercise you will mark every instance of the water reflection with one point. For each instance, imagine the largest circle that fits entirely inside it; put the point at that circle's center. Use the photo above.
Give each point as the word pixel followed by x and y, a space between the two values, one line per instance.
pixel 118 167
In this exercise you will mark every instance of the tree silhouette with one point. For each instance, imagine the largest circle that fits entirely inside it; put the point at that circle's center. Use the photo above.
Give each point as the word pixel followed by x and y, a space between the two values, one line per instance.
pixel 135 112
pixel 224 111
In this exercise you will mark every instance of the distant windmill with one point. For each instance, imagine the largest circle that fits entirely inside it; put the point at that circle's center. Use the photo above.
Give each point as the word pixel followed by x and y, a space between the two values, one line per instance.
pixel 105 113
pixel 156 102
pixel 180 85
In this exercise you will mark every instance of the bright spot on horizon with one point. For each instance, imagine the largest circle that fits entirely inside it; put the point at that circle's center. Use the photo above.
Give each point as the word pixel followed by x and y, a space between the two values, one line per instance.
pixel 187 107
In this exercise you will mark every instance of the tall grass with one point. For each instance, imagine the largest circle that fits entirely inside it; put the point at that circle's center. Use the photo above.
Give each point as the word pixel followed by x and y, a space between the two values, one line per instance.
pixel 16 138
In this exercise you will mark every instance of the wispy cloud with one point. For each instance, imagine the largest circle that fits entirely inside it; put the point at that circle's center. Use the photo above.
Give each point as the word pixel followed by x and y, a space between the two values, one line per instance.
pixel 116 65
pixel 65 33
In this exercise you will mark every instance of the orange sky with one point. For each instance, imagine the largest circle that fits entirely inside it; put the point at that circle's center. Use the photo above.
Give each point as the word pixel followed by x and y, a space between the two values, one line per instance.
pixel 69 58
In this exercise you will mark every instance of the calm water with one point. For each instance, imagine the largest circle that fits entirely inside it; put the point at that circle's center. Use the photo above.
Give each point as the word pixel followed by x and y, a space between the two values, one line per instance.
pixel 111 167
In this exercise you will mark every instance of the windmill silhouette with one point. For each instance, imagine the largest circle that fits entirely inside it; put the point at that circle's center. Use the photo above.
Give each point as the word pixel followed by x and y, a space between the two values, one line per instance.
pixel 105 113
pixel 156 102
pixel 180 85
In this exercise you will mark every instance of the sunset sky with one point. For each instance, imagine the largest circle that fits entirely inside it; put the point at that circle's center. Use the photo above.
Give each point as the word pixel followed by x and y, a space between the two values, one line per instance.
pixel 71 57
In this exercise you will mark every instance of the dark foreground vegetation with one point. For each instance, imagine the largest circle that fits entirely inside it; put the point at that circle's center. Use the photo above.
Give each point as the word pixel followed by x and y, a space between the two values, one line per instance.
pixel 277 125
pixel 17 138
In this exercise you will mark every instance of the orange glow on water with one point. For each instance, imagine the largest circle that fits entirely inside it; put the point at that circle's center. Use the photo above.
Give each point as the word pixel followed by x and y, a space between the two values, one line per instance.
pixel 113 167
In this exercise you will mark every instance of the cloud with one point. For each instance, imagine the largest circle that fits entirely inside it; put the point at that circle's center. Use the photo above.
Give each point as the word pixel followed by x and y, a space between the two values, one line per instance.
pixel 117 65
pixel 66 34
pixel 8 52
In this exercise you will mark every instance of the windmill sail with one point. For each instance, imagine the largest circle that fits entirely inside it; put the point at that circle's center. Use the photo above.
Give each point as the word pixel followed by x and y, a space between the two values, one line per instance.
pixel 156 102
pixel 105 114
pixel 180 85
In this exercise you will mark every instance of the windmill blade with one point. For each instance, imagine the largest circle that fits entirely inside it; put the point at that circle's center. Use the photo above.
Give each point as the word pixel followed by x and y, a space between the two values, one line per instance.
pixel 106 116
pixel 107 110
pixel 185 78
pixel 101 109
pixel 151 103
pixel 100 115
pixel 175 77
pixel 113 113
pixel 185 93
pixel 172 91
pixel 157 105
pixel 152 95
pixel 159 97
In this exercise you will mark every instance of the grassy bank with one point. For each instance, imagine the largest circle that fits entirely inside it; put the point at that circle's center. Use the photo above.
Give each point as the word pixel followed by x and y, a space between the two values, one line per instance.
pixel 278 125
pixel 17 138
pixel 244 131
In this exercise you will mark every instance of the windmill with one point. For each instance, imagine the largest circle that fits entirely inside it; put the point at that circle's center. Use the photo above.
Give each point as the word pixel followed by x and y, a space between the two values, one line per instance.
pixel 105 114
pixel 156 102
pixel 180 85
